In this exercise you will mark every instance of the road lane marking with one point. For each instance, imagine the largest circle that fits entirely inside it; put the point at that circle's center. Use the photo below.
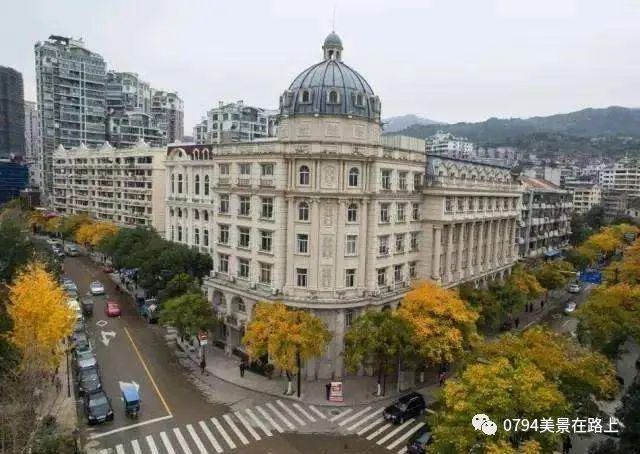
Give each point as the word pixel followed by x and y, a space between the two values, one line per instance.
pixel 144 364
pixel 281 416
pixel 210 436
pixel 246 424
pixel 395 431
pixel 235 429
pixel 224 434
pixel 341 414
pixel 373 414
pixel 268 417
pixel 378 432
pixel 167 444
pixel 304 412
pixel 370 426
pixel 317 412
pixel 403 450
pixel 291 413
pixel 182 441
pixel 132 426
pixel 136 447
pixel 258 422
pixel 406 435
pixel 152 444
pixel 354 416
pixel 119 449
pixel 196 439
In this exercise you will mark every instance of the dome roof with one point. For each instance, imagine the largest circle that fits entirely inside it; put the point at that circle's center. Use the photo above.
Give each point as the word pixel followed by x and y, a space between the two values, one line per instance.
pixel 331 87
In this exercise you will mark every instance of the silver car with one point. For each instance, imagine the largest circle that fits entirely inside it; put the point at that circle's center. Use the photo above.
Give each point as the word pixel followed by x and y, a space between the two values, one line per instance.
pixel 96 288
pixel 85 360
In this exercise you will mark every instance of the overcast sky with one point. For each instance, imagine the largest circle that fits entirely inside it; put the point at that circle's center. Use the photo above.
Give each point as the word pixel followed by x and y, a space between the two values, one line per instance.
pixel 446 60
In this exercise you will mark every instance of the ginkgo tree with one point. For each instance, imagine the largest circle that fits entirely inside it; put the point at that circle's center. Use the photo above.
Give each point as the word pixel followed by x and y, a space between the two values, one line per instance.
pixel 287 336
pixel 92 233
pixel 554 274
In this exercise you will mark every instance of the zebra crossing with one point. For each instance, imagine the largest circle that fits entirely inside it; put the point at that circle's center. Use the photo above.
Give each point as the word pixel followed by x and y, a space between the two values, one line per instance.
pixel 227 432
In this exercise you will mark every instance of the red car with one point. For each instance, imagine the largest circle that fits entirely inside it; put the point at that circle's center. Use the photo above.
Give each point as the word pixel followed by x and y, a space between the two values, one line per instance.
pixel 112 309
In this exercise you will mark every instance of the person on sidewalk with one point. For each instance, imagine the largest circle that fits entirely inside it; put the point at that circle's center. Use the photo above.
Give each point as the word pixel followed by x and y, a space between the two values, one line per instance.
pixel 442 378
pixel 516 322
pixel 243 366
pixel 203 365
pixel 541 304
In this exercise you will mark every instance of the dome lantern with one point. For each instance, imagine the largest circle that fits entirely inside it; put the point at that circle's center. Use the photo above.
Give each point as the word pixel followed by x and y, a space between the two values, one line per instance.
pixel 332 47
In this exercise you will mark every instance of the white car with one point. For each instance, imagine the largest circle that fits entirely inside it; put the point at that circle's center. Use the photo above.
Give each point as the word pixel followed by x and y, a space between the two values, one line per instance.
pixel 574 288
pixel 96 288
pixel 569 308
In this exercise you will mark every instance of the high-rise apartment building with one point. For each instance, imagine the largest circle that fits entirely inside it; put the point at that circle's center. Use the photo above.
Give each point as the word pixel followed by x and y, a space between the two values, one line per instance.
pixel 126 92
pixel 168 110
pixel 71 98
pixel 235 122
pixel 623 176
pixel 32 143
pixel 11 114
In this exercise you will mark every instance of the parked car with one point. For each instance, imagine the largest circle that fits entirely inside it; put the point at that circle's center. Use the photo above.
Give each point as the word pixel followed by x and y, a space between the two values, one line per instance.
pixel 52 241
pixel 107 269
pixel 75 306
pixel 89 380
pixel 81 344
pixel 71 250
pixel 570 307
pixel 97 407
pixel 57 251
pixel 574 288
pixel 85 360
pixel 406 407
pixel 79 327
pixel 87 306
pixel 69 285
pixel 419 441
pixel 112 309
pixel 96 288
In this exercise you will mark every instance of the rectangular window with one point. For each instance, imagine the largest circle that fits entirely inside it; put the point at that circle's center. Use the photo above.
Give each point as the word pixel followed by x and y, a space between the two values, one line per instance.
pixel 350 277
pixel 267 208
pixel 301 277
pixel 400 242
pixel 302 241
pixel 412 270
pixel 243 268
pixel 402 181
pixel 448 204
pixel 245 205
pixel 206 237
pixel 196 236
pixel 460 203
pixel 414 241
pixel 223 263
pixel 348 318
pixel 267 170
pixel 383 245
pixel 386 178
pixel 224 169
pixel 397 273
pixel 266 237
pixel 245 169
pixel 417 181
pixel 384 212
pixel 382 276
pixel 244 237
pixel 265 273
pixel 224 203
pixel 223 237
pixel 400 209
pixel 416 212
pixel 352 245
pixel 480 203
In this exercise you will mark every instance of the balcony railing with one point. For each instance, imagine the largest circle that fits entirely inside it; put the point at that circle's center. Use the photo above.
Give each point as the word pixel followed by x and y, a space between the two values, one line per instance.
pixel 454 182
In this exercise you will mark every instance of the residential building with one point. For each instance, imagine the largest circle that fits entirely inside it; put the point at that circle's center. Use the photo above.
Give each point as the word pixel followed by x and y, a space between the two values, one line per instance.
pixel 617 202
pixel 32 143
pixel 501 156
pixel 445 143
pixel 11 114
pixel 168 111
pixel 546 218
pixel 14 177
pixel 623 177
pixel 633 209
pixel 331 217
pixel 235 122
pixel 70 82
pixel 127 92
pixel 586 195
pixel 126 129
pixel 125 186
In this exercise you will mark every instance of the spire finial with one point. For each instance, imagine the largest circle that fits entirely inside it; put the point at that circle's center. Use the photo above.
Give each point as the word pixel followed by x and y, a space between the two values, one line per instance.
pixel 333 19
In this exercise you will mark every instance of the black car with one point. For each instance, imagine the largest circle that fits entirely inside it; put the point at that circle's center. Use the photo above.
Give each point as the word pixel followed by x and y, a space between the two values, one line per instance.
pixel 81 343
pixel 406 407
pixel 97 407
pixel 87 306
pixel 89 380
pixel 419 441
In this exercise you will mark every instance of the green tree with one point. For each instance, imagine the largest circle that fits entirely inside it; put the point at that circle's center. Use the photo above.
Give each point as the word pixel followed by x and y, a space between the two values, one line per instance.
pixel 16 248
pixel 486 304
pixel 578 258
pixel 188 314
pixel 580 230
pixel 379 338
pixel 180 284
pixel 595 217
pixel 554 274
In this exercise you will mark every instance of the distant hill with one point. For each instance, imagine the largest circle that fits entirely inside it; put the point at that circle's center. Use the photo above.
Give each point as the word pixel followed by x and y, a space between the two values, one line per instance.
pixel 394 124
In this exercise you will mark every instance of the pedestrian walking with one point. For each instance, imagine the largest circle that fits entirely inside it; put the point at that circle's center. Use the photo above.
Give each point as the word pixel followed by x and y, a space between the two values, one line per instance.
pixel 58 384
pixel 203 365
pixel 243 366
pixel 517 322
pixel 541 304
pixel 442 378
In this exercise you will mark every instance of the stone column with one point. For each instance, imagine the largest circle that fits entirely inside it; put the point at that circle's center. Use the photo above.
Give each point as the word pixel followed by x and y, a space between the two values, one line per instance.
pixel 289 272
pixel 437 252
pixel 460 244
pixel 314 243
pixel 449 252
pixel 494 249
pixel 471 245
pixel 366 273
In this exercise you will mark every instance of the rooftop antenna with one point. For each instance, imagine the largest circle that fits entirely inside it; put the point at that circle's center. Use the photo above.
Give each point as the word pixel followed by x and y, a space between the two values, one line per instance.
pixel 333 19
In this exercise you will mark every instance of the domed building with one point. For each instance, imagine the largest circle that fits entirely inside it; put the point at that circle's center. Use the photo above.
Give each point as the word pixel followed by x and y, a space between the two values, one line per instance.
pixel 329 216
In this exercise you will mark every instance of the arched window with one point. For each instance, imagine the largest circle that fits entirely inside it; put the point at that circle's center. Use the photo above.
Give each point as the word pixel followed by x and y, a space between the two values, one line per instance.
pixel 352 213
pixel 179 233
pixel 354 173
pixel 171 213
pixel 304 175
pixel 197 185
pixel 179 212
pixel 173 233
pixel 306 96
pixel 179 183
pixel 196 214
pixel 303 211
pixel 206 185
pixel 333 97
pixel 173 183
pixel 206 215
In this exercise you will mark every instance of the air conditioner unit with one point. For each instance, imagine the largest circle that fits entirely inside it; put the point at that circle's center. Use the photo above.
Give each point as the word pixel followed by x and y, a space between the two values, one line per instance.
pixel 252 285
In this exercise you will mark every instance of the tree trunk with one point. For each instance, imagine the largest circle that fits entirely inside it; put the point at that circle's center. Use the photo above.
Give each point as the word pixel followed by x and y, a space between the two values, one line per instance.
pixel 379 391
pixel 299 374
pixel 289 389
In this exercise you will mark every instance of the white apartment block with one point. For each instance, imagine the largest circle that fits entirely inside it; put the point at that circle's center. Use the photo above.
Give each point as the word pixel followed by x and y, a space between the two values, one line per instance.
pixel 235 122
pixel 32 143
pixel 124 186
pixel 445 143
pixel 586 195
pixel 331 217
pixel 623 176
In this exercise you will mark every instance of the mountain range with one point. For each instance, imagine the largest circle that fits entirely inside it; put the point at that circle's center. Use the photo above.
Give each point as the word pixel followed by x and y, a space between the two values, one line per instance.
pixel 395 124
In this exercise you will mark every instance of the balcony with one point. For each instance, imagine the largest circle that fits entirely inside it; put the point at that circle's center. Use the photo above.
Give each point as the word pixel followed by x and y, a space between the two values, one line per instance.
pixel 244 181
pixel 267 182
pixel 223 181
pixel 453 182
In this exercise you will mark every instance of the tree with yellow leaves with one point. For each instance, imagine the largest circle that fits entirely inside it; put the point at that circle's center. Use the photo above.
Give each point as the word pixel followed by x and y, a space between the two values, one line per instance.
pixel 628 269
pixel 40 315
pixel 92 233
pixel 287 336
pixel 443 325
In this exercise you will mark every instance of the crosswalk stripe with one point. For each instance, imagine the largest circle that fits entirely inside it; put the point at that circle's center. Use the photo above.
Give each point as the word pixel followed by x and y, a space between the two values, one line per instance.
pixel 119 449
pixel 304 412
pixel 247 426
pixel 165 441
pixel 196 439
pixel 373 414
pixel 258 422
pixel 152 444
pixel 395 431
pixel 210 436
pixel 298 419
pixel 354 416
pixel 406 435
pixel 281 416
pixel 341 414
pixel 317 412
pixel 182 441
pixel 103 451
pixel 226 437
pixel 136 447
pixel 237 431
pixel 378 432
pixel 268 417
pixel 403 450
pixel 370 426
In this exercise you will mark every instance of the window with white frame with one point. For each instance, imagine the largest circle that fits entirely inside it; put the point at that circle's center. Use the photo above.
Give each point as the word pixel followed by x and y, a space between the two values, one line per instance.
pixel 417 181
pixel 301 277
pixel 245 205
pixel 206 185
pixel 179 183
pixel 386 178
pixel 400 242
pixel 302 242
pixel 352 245
pixel 266 169
pixel 382 276
pixel 173 183
pixel 205 213
pixel 196 187
pixel 245 169
pixel 266 239
pixel 303 176
pixel 448 204
pixel 354 174
pixel 352 212
pixel 179 233
pixel 384 212
pixel 348 317
pixel 397 273
pixel 223 169
pixel 350 277
pixel 243 268
pixel 303 211
pixel 224 204
pixel 223 263
pixel 461 203
pixel 196 236
pixel 415 214
pixel 402 181
pixel 267 208
pixel 244 237
pixel 383 244
pixel 400 212
pixel 412 270
pixel 223 234
pixel 205 238
pixel 414 241
pixel 265 273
